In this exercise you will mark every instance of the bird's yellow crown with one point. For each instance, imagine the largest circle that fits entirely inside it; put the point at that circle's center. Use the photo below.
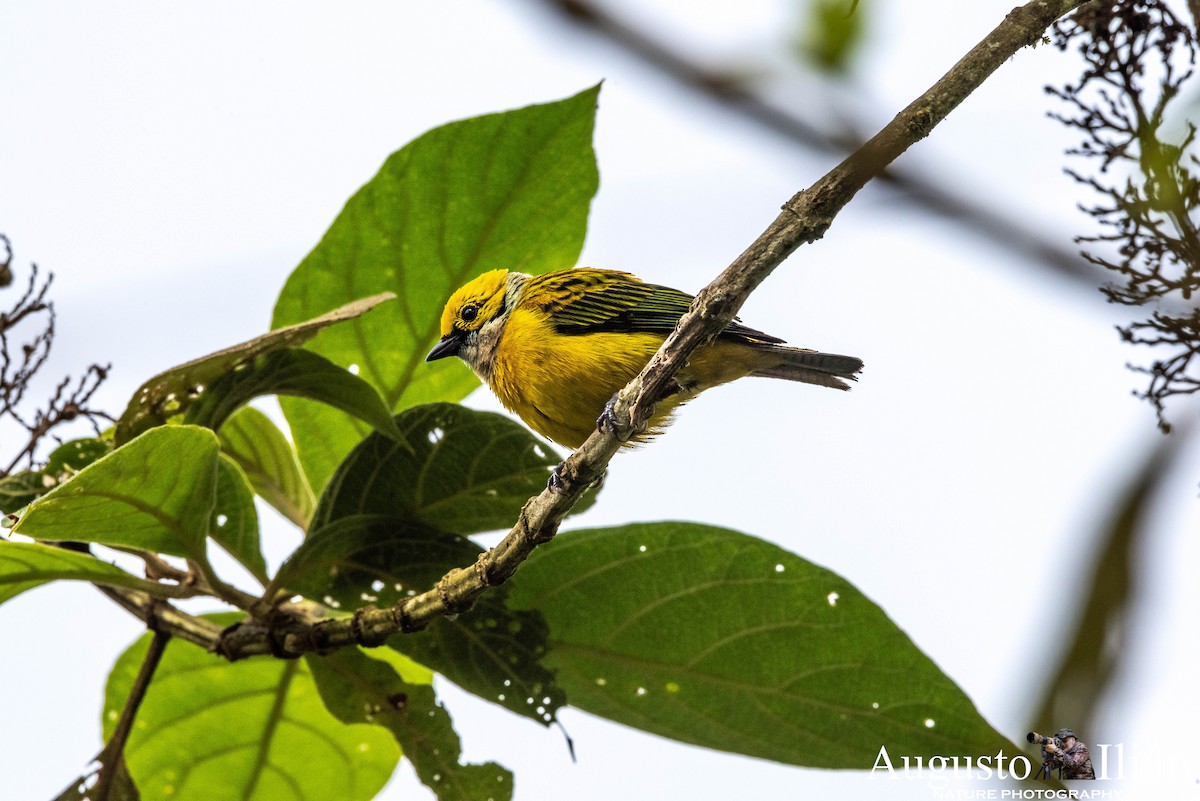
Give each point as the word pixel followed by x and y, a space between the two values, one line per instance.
pixel 474 303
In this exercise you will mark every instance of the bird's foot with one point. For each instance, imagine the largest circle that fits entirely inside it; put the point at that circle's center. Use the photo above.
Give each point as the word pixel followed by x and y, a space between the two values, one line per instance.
pixel 610 423
pixel 557 483
pixel 607 421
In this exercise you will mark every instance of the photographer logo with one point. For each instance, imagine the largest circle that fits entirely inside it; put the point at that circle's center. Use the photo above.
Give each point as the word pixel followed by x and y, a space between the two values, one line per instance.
pixel 1062 757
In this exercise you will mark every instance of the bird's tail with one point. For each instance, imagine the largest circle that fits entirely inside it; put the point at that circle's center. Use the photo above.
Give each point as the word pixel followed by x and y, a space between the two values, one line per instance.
pixel 811 367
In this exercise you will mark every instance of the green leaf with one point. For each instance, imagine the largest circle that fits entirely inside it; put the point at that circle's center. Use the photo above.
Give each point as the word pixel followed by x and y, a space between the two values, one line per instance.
pixel 359 689
pixel 269 462
pixel 502 190
pixel 234 521
pixel 256 730
pixel 833 33
pixel 21 489
pixel 171 393
pixel 25 565
pixel 466 472
pixel 1104 605
pixel 155 493
pixel 491 651
pixel 71 457
pixel 295 372
pixel 715 638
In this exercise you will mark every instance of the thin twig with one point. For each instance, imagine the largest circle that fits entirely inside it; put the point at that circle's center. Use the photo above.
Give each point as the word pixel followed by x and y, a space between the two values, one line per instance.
pixel 114 750
pixel 18 371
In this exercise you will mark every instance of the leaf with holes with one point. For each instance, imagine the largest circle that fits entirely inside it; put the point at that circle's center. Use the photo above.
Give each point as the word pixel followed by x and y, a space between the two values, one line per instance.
pixel 502 190
pixel 172 392
pixel 715 638
pixel 71 457
pixel 466 472
pixel 256 730
pixel 297 373
pixel 359 689
pixel 491 650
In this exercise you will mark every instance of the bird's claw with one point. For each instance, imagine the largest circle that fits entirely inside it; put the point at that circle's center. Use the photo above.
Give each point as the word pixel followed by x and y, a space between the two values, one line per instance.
pixel 609 422
pixel 556 483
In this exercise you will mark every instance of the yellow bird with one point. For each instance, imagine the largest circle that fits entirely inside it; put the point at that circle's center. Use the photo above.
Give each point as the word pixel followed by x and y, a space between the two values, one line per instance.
pixel 556 347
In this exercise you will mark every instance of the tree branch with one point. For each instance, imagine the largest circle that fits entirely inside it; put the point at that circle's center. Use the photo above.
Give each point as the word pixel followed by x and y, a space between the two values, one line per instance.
pixel 805 218
pixel 162 616
pixel 733 93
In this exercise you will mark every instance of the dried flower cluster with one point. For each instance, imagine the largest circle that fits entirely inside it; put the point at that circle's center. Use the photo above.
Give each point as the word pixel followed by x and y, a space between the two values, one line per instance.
pixel 1138 55
pixel 21 360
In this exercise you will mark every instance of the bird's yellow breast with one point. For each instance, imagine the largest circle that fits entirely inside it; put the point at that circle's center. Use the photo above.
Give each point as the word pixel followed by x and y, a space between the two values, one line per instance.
pixel 559 383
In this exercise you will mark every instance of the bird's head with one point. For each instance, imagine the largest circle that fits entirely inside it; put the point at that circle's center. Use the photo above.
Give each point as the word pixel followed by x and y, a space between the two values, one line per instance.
pixel 473 308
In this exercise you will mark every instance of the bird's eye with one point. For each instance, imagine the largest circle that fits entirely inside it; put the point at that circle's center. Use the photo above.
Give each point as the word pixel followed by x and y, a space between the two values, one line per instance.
pixel 468 313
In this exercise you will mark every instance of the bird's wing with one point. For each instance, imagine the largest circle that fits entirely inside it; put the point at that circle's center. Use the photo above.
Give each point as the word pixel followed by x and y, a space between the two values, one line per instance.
pixel 586 301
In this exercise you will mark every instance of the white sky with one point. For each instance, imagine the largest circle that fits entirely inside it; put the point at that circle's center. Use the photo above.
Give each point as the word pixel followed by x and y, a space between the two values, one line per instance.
pixel 172 167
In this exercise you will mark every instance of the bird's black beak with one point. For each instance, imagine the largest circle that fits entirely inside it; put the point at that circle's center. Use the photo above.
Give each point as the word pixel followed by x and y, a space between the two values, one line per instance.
pixel 448 346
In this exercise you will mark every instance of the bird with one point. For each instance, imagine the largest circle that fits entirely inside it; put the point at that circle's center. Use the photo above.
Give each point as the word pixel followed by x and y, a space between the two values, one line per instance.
pixel 556 347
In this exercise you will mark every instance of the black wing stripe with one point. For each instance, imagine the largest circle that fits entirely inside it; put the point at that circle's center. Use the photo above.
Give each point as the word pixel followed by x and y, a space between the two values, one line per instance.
pixel 590 301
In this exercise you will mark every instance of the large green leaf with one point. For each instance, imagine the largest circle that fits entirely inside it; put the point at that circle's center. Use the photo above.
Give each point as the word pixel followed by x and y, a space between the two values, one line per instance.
pixel 256 730
pixel 461 471
pixel 296 372
pixel 503 190
pixel 156 493
pixel 359 689
pixel 269 462
pixel 25 565
pixel 719 639
pixel 173 391
pixel 492 651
